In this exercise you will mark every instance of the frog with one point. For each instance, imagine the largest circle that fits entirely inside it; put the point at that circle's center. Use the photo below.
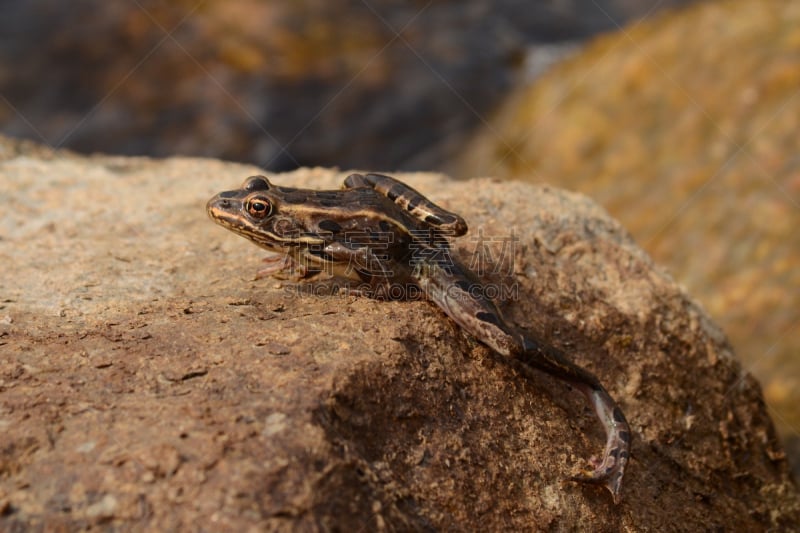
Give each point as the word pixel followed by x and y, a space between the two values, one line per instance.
pixel 388 241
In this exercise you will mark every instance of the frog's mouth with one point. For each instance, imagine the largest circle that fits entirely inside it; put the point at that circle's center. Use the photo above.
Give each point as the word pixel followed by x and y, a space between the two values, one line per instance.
pixel 227 213
pixel 277 234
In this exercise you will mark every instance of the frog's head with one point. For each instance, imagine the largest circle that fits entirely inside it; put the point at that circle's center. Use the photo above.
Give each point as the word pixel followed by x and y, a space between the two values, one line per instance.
pixel 262 212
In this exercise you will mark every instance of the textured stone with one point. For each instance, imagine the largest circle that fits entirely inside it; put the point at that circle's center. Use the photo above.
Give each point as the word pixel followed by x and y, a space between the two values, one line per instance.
pixel 148 382
pixel 685 128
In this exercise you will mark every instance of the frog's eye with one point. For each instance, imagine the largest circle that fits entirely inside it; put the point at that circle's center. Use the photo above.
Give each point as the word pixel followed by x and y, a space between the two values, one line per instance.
pixel 259 207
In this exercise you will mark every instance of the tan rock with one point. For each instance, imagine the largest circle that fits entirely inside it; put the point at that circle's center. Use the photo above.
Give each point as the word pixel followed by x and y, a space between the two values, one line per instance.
pixel 147 382
pixel 686 129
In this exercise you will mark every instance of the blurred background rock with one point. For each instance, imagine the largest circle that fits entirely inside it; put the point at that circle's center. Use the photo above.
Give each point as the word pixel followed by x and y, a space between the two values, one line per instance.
pixel 357 83
pixel 687 129
pixel 684 126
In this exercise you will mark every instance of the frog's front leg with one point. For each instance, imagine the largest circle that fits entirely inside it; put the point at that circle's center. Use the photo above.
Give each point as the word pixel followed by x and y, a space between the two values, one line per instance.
pixel 371 274
pixel 281 266
pixel 292 267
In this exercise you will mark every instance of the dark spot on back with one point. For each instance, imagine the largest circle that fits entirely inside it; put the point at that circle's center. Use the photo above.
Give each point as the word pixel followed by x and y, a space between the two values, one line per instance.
pixel 394 192
pixel 373 178
pixel 327 195
pixel 625 437
pixel 485 316
pixel 433 220
pixel 617 414
pixel 328 202
pixel 464 285
pixel 295 197
pixel 530 345
pixel 330 225
pixel 413 203
pixel 385 226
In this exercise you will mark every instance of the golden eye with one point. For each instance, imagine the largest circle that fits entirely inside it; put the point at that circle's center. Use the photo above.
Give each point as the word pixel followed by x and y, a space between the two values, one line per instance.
pixel 259 208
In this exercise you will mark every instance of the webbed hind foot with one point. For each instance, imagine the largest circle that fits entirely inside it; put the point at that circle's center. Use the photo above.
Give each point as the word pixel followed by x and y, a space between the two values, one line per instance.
pixel 610 469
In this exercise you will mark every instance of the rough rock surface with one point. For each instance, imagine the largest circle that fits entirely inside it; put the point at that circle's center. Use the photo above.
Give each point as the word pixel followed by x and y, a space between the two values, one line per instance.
pixel 686 129
pixel 147 382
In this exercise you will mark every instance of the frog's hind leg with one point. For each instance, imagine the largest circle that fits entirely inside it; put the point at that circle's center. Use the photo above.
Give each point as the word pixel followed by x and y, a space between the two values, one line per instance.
pixel 411 200
pixel 610 469
pixel 453 293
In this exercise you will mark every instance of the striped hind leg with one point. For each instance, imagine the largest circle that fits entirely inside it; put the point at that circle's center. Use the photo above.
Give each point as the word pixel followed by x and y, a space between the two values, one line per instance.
pixel 411 200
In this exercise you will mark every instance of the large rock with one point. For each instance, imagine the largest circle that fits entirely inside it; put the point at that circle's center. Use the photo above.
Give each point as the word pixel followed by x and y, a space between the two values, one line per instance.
pixel 146 381
pixel 685 128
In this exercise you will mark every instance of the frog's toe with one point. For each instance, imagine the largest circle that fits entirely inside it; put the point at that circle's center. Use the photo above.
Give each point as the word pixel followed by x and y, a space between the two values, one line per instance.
pixel 609 475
